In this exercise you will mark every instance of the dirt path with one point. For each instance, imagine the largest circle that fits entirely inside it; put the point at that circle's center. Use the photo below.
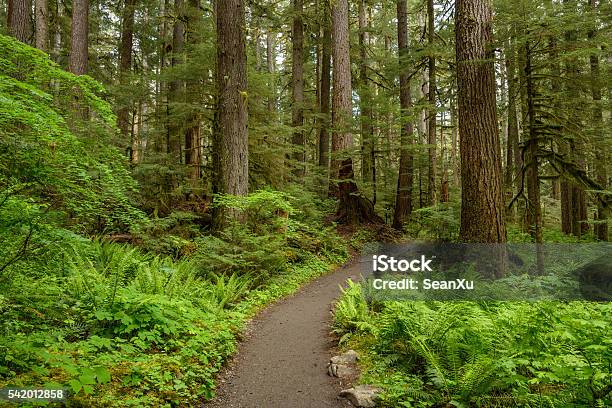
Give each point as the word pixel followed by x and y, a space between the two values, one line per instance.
pixel 283 361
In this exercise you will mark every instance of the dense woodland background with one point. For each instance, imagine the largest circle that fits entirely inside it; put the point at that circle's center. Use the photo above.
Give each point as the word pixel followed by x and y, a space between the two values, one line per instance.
pixel 245 102
pixel 167 168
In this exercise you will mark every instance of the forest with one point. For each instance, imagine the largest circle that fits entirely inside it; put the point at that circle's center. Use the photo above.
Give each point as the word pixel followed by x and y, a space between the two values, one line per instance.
pixel 170 168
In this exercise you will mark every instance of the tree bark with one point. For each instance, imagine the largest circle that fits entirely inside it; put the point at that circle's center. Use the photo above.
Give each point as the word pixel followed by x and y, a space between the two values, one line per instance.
pixel 365 103
pixel 431 129
pixel 482 209
pixel 125 66
pixel 297 86
pixel 176 87
pixel 353 208
pixel 534 206
pixel 42 25
pixel 270 64
pixel 513 163
pixel 78 64
pixel 324 101
pixel 230 141
pixel 405 181
pixel 601 228
pixel 19 20
pixel 192 154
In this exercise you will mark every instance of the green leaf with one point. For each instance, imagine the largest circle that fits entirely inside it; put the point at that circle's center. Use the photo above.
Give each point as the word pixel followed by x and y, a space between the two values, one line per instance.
pixel 75 385
pixel 102 374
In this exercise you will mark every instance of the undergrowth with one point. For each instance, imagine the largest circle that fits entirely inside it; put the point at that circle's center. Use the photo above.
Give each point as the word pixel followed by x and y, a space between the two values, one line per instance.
pixel 120 327
pixel 481 354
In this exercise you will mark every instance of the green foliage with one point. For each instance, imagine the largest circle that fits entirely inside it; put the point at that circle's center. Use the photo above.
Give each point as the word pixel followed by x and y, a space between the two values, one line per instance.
pixel 464 354
pixel 440 222
pixel 123 327
pixel 273 235
pixel 352 313
pixel 50 153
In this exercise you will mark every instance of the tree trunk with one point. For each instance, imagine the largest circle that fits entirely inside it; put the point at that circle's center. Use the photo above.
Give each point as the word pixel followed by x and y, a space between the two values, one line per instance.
pixel 513 165
pixel 533 182
pixel 125 66
pixel 78 38
pixel 42 25
pixel 353 208
pixel 431 129
pixel 192 155
pixel 576 151
pixel 230 141
pixel 365 103
pixel 454 141
pixel 405 181
pixel 19 20
pixel 601 228
pixel 270 66
pixel 482 208
pixel 176 91
pixel 297 86
pixel 324 102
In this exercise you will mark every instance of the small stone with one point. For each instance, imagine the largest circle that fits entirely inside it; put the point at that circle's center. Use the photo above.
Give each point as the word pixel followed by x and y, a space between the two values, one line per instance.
pixel 362 395
pixel 343 366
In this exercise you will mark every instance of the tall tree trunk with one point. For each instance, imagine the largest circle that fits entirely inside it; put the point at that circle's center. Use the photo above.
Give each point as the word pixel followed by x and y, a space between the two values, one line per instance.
pixel 405 181
pixel 365 103
pixel 125 66
pixel 353 208
pixel 601 229
pixel 192 155
pixel 324 101
pixel 57 11
pixel 297 86
pixel 78 38
pixel 578 196
pixel 230 141
pixel 270 64
pixel 533 182
pixel 19 20
pixel 482 208
pixel 431 129
pixel 42 25
pixel 512 148
pixel 455 140
pixel 176 91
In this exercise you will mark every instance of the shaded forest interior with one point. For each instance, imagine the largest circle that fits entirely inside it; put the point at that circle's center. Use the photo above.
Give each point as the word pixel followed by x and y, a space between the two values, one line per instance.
pixel 399 127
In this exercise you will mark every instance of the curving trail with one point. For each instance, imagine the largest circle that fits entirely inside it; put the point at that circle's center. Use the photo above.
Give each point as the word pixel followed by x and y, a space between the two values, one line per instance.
pixel 283 361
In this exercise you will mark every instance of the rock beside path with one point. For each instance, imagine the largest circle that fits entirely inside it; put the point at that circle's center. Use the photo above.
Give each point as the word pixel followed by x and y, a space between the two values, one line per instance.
pixel 344 366
pixel 362 395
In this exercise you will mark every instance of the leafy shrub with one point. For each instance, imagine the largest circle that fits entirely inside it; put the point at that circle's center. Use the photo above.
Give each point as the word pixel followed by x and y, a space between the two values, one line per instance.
pixel 441 221
pixel 67 163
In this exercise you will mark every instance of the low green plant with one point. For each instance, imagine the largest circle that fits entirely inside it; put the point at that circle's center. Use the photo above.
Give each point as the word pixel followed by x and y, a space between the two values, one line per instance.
pixel 463 354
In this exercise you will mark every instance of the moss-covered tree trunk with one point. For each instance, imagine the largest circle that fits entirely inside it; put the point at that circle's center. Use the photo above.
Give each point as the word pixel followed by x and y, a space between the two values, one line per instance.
pixel 601 228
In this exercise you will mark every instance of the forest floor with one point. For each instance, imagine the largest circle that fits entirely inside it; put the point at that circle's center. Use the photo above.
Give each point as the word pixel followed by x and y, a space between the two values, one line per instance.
pixel 282 361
